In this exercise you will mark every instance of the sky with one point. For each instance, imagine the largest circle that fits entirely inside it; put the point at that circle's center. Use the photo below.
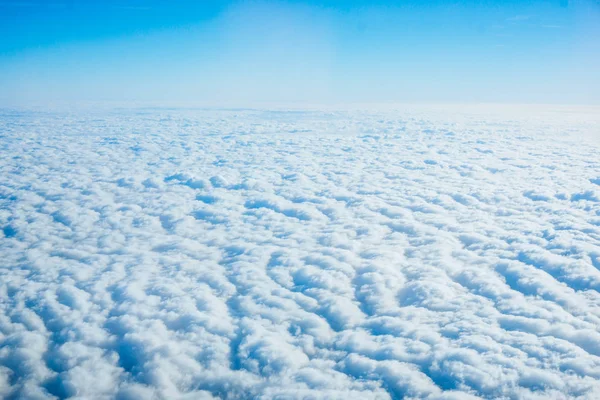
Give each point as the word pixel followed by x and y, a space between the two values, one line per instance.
pixel 241 53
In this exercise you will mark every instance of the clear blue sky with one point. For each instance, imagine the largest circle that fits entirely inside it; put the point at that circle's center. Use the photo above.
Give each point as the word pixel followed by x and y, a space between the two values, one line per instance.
pixel 249 52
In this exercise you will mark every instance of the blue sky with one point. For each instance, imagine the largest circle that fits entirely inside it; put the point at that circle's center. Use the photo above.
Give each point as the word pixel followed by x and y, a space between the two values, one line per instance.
pixel 317 52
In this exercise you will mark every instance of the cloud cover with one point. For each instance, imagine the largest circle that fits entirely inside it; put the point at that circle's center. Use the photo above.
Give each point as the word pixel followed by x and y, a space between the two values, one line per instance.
pixel 284 254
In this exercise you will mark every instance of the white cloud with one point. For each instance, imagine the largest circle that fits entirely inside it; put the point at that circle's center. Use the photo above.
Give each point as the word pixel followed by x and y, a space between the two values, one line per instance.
pixel 324 254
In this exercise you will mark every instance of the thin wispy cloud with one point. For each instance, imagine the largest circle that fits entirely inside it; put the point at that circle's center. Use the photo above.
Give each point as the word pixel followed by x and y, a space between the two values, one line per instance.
pixel 132 7
pixel 29 4
pixel 518 18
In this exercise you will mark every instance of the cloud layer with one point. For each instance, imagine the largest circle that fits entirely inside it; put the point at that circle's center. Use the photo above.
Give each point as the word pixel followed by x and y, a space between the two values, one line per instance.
pixel 282 254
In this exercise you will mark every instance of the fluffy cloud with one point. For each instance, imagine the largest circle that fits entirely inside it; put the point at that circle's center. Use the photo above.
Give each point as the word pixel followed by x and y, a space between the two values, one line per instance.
pixel 253 254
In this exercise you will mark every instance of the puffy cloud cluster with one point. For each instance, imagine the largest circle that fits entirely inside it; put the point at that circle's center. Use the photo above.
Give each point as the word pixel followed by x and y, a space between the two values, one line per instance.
pixel 167 254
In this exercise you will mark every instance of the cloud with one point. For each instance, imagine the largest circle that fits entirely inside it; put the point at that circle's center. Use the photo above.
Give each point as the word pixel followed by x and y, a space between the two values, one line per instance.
pixel 519 17
pixel 438 253
pixel 31 4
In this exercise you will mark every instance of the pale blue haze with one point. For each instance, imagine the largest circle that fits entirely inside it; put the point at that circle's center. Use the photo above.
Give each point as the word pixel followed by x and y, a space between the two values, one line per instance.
pixel 310 52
